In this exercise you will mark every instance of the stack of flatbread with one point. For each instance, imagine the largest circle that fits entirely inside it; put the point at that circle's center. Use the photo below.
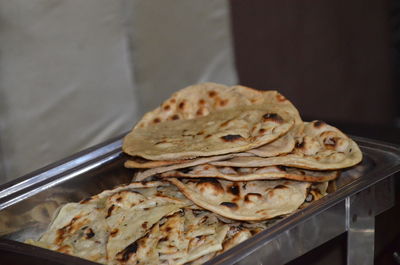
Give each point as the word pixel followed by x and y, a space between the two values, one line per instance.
pixel 238 152
pixel 214 165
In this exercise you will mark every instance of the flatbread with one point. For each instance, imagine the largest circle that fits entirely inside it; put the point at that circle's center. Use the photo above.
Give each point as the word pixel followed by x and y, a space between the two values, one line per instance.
pixel 142 175
pixel 79 230
pixel 283 145
pixel 248 173
pixel 322 147
pixel 194 102
pixel 103 227
pixel 236 235
pixel 248 201
pixel 130 213
pixel 221 132
pixel 181 238
pixel 138 162
pixel 202 99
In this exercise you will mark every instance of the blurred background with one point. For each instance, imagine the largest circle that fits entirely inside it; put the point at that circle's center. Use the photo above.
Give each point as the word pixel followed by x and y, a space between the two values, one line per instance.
pixel 75 73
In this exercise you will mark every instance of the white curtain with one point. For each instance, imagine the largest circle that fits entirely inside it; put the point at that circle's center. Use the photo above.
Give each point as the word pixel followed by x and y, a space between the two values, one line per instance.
pixel 177 43
pixel 74 73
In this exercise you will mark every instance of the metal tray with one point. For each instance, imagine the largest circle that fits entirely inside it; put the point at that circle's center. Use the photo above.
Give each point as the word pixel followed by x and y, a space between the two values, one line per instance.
pixel 27 204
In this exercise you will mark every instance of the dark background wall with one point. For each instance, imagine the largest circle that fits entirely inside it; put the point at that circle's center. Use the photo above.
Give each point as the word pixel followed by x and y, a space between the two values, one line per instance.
pixel 331 58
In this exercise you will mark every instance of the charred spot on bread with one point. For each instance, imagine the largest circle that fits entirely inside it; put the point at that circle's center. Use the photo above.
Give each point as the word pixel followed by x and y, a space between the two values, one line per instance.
pixel 248 196
pixel 89 233
pixel 210 183
pixel 234 189
pixel 114 232
pixel 165 238
pixel 231 137
pixel 128 251
pixel 331 141
pixel 230 205
pixel 109 211
pixel 156 120
pixel 208 136
pixel 299 144
pixel 185 170
pixel 223 102
pixel 212 93
pixel 272 117
pixel 280 187
pixel 225 123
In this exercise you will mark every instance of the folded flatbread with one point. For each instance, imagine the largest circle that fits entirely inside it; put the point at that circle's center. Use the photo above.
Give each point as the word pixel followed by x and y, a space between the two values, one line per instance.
pixel 248 173
pixel 181 238
pixel 321 147
pixel 248 201
pixel 104 226
pixel 142 175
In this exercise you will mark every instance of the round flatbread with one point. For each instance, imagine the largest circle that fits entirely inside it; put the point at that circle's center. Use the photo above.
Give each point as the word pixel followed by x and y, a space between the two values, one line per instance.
pixel 221 132
pixel 321 147
pixel 142 175
pixel 138 162
pixel 248 201
pixel 251 173
pixel 202 99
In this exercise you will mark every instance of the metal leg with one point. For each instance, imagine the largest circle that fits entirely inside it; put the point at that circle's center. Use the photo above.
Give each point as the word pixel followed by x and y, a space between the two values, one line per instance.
pixel 361 209
pixel 360 228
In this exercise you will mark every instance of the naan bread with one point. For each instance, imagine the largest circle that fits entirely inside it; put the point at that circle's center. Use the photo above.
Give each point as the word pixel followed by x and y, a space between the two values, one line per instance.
pixel 181 238
pixel 202 99
pixel 236 235
pixel 206 99
pixel 138 162
pixel 103 227
pixel 251 200
pixel 130 215
pixel 142 175
pixel 79 230
pixel 283 145
pixel 221 132
pixel 321 147
pixel 248 173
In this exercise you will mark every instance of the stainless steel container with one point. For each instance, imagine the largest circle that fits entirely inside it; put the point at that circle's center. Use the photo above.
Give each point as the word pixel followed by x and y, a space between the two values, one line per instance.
pixel 28 203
